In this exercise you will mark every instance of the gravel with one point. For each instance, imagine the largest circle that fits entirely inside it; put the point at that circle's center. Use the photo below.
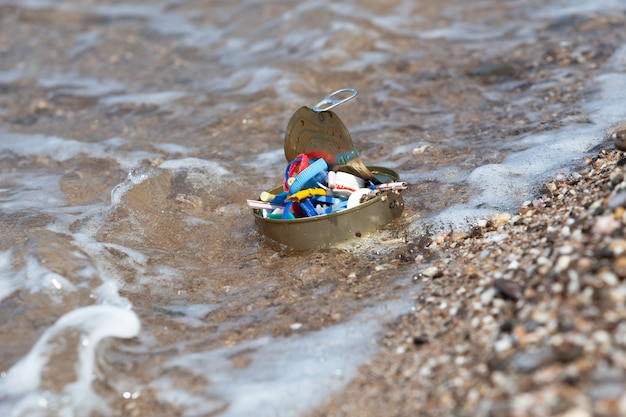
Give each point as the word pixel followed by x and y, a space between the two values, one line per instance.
pixel 522 316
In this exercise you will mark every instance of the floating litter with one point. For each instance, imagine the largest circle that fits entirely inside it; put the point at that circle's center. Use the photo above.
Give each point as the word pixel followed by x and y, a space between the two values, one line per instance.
pixel 328 195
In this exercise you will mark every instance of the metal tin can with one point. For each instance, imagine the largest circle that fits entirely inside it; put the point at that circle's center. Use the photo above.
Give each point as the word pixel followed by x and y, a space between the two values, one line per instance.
pixel 326 230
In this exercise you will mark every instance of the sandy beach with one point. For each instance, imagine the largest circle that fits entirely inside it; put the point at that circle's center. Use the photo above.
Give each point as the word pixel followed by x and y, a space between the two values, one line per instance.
pixel 523 315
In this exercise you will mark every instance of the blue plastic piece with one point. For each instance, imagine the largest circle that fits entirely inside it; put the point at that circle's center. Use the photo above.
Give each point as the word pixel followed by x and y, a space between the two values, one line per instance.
pixel 326 199
pixel 307 208
pixel 279 198
pixel 314 173
pixel 287 211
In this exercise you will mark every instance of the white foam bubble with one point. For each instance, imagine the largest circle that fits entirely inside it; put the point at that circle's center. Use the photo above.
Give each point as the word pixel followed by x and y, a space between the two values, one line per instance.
pixel 160 97
pixel 7 77
pixel 9 281
pixel 61 149
pixel 173 148
pixel 39 278
pixel 566 8
pixel 134 177
pixel 285 376
pixel 20 390
pixel 468 31
pixel 80 86
pixel 504 186
pixel 266 161
pixel 191 163
pixel 57 148
pixel 31 192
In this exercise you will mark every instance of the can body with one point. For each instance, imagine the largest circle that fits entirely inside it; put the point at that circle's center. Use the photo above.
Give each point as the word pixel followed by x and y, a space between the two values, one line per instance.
pixel 325 230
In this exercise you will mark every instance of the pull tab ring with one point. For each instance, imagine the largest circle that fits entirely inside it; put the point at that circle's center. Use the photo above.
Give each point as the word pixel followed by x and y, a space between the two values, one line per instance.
pixel 329 102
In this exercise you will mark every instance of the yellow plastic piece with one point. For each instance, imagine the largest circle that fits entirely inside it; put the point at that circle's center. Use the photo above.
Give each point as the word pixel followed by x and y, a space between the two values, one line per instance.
pixel 309 192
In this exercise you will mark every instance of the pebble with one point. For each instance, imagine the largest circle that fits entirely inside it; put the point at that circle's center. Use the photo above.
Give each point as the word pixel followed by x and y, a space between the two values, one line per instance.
pixel 500 219
pixel 508 288
pixel 617 247
pixel 602 337
pixel 487 296
pixel 562 263
pixel 430 272
pixel 609 278
pixel 513 265
pixel 576 412
pixel 607 389
pixel 420 340
pixel 541 302
pixel 531 360
pixel 502 345
pixel 459 236
pixel 619 267
pixel 605 225
pixel 619 136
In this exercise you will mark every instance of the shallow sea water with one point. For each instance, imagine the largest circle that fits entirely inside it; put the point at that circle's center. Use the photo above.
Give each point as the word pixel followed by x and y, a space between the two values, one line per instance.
pixel 132 281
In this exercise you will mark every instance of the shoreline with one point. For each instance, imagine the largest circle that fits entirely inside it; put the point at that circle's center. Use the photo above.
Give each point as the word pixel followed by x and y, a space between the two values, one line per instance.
pixel 522 315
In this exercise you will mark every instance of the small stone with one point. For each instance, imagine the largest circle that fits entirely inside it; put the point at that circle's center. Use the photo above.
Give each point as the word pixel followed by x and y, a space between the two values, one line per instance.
pixel 513 265
pixel 618 295
pixel 542 260
pixel 531 360
pixel 619 267
pixel 503 345
pixel 605 225
pixel 556 288
pixel 609 278
pixel 584 264
pixel 616 177
pixel 420 340
pixel 618 200
pixel 602 337
pixel 610 388
pixel 545 376
pixel 440 238
pixel 431 272
pixel 500 219
pixel 565 351
pixel 562 263
pixel 487 296
pixel 470 271
pixel 619 136
pixel 576 412
pixel 458 236
pixel 617 247
pixel 540 317
pixel 508 288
